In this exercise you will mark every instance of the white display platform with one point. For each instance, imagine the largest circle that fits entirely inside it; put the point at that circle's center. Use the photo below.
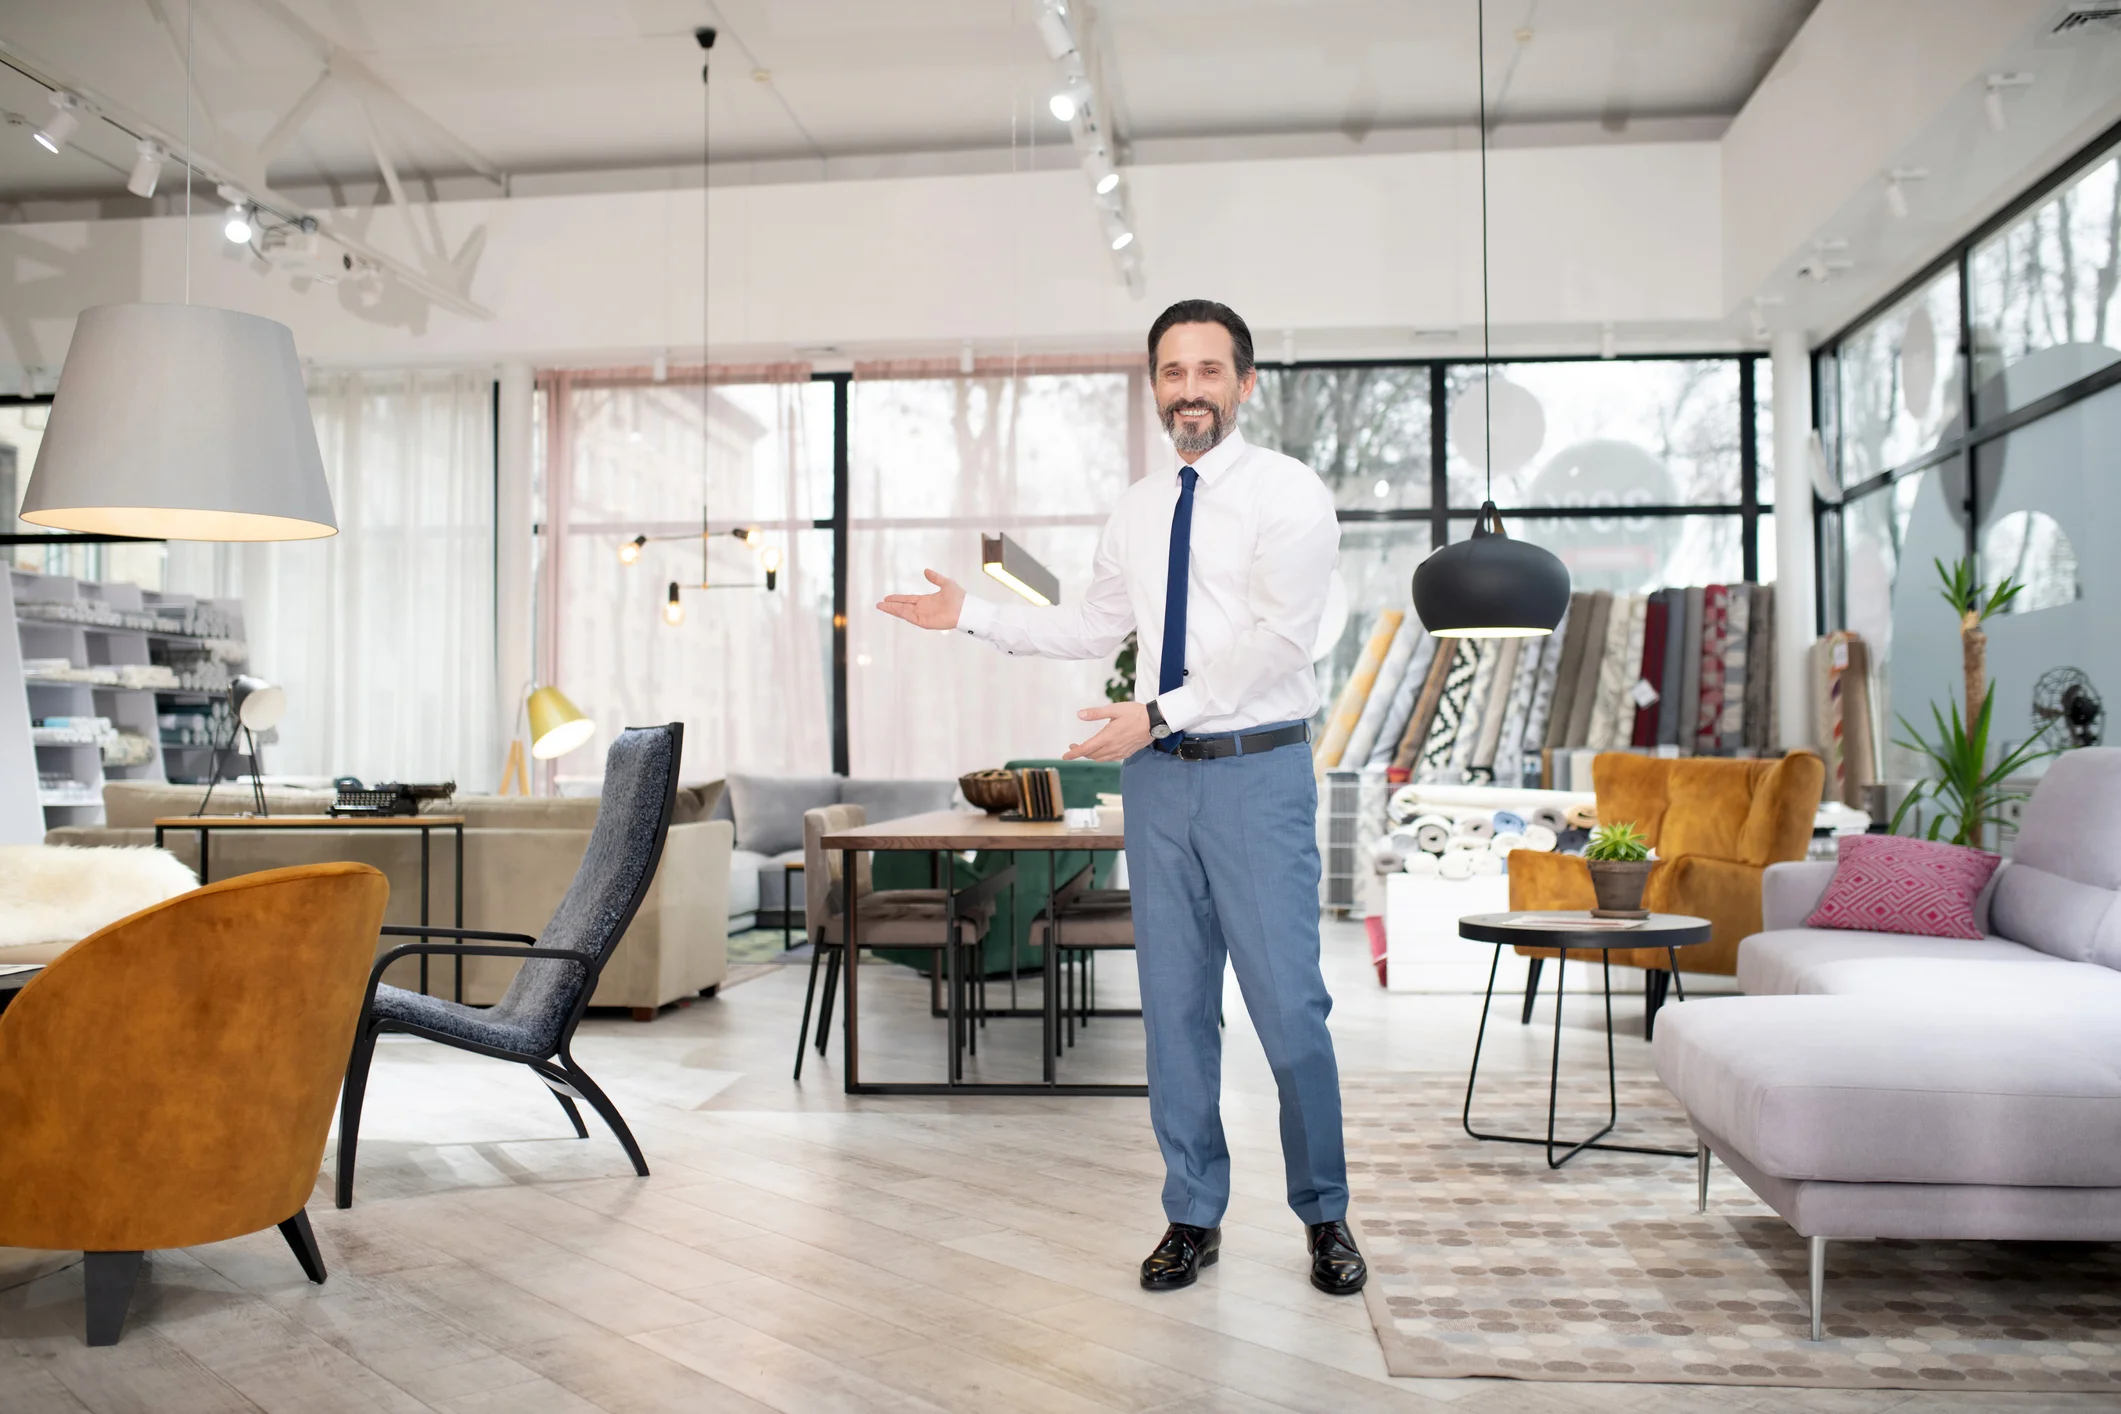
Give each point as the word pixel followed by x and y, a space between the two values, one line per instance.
pixel 1423 952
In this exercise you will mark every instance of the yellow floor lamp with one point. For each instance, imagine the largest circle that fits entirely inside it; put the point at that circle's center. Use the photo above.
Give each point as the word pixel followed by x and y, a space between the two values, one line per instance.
pixel 557 727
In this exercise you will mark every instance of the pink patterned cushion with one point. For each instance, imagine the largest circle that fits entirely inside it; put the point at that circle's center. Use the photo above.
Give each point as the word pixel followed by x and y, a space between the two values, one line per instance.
pixel 1890 884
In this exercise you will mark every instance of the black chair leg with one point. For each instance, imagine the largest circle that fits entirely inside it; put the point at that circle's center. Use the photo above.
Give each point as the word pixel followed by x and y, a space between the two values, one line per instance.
pixel 1531 989
pixel 581 1130
pixel 107 1279
pixel 802 1032
pixel 350 1097
pixel 601 1103
pixel 1655 986
pixel 303 1241
pixel 833 964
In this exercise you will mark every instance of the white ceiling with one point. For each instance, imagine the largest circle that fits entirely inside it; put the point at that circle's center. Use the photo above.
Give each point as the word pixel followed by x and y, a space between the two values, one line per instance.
pixel 566 86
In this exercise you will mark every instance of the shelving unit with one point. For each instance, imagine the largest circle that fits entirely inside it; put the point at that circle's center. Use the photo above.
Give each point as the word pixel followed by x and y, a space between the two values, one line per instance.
pixel 151 665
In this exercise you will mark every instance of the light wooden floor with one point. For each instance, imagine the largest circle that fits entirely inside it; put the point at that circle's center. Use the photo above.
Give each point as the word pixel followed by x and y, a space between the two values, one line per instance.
pixel 793 1251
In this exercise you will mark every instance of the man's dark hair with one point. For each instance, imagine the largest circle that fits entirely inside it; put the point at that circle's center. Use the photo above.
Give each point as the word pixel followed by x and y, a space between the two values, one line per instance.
pixel 1204 311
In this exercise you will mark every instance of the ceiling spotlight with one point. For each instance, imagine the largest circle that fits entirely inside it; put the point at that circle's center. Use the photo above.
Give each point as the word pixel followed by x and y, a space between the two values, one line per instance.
pixel 239 229
pixel 630 552
pixel 147 171
pixel 1053 31
pixel 1123 240
pixel 1070 101
pixel 67 117
pixel 673 607
pixel 1895 188
pixel 1104 178
pixel 1992 99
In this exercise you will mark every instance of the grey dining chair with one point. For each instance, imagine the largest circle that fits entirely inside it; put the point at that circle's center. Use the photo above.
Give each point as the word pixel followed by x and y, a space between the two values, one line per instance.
pixel 1091 921
pixel 535 1020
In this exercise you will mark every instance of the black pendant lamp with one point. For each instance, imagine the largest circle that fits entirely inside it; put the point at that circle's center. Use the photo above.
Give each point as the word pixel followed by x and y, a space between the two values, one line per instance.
pixel 1489 586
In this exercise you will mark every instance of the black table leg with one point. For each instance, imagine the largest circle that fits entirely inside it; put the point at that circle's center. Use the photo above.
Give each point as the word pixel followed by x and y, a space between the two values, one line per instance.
pixel 205 871
pixel 1678 987
pixel 460 908
pixel 424 838
pixel 850 1058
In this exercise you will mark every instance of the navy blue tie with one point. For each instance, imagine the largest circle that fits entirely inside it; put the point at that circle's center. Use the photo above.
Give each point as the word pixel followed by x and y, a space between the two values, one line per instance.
pixel 1171 665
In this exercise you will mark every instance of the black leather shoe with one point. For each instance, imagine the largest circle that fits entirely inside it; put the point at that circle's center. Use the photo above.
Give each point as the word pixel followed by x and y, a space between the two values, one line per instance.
pixel 1177 1260
pixel 1336 1267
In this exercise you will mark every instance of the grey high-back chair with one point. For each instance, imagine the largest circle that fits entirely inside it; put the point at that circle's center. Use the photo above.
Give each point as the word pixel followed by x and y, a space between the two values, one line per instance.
pixel 534 1021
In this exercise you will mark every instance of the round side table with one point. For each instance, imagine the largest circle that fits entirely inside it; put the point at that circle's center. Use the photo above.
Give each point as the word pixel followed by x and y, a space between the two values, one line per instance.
pixel 1670 931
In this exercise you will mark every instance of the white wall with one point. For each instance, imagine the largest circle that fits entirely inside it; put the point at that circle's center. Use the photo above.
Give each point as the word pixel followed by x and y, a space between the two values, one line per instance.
pixel 1355 250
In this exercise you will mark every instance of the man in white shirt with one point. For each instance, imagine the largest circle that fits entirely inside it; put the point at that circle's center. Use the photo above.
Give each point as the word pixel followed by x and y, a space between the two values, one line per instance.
pixel 1222 564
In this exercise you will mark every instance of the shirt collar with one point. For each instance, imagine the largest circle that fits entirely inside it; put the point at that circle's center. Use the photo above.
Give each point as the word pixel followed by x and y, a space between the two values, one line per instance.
pixel 1217 459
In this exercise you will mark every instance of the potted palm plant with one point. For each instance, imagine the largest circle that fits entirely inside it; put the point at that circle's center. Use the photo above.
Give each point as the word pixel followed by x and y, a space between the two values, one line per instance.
pixel 1619 856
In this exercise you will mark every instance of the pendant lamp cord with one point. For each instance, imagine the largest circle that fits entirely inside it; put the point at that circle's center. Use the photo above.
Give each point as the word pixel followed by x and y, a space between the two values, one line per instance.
pixel 706 264
pixel 189 6
pixel 1487 360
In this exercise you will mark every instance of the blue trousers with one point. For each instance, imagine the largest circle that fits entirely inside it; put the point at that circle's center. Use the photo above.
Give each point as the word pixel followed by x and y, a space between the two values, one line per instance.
pixel 1222 857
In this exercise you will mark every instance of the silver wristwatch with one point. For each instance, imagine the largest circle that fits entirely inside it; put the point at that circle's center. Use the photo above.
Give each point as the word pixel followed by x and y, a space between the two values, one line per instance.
pixel 1158 727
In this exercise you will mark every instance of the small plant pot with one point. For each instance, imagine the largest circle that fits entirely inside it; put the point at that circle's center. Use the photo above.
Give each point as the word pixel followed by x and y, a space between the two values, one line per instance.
pixel 1619 885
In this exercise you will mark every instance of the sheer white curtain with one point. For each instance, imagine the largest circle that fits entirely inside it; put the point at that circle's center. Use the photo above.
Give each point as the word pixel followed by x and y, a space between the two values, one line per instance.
pixel 382 635
pixel 747 671
pixel 936 461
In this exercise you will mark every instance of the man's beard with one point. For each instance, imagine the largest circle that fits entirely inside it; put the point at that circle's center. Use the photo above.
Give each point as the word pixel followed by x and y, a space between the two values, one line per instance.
pixel 1219 421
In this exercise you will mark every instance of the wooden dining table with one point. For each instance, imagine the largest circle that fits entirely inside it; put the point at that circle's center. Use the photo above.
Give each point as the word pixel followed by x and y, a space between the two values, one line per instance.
pixel 944 834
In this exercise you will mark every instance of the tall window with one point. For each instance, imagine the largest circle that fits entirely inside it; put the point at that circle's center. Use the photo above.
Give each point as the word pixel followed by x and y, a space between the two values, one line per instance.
pixel 747 670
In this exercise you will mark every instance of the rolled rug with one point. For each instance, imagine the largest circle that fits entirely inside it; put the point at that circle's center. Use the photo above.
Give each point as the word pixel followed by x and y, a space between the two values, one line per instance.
pixel 1389 861
pixel 1432 833
pixel 1548 817
pixel 1456 865
pixel 1404 807
pixel 1504 843
pixel 1404 842
pixel 1508 822
pixel 1583 817
pixel 1540 839
pixel 1474 827
pixel 1486 864
pixel 1466 844
pixel 1423 866
pixel 1572 841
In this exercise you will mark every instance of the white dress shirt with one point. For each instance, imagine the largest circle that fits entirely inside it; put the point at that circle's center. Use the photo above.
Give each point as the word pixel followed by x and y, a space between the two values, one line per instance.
pixel 1264 541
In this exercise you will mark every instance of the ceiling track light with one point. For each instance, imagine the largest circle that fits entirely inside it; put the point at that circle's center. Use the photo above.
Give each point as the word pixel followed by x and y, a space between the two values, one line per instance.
pixel 1104 177
pixel 1896 188
pixel 147 171
pixel 1992 98
pixel 65 119
pixel 238 228
pixel 1071 102
pixel 1053 31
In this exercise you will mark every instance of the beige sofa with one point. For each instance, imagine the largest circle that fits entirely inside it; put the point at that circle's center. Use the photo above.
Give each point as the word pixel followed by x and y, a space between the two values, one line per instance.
pixel 519 856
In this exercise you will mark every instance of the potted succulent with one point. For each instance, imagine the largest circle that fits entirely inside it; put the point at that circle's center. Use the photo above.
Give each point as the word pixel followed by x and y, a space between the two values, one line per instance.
pixel 1619 856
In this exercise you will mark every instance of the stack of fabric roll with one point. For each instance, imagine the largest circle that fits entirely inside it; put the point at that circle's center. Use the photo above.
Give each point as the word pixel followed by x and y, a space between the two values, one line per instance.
pixel 1460 833
pixel 1690 671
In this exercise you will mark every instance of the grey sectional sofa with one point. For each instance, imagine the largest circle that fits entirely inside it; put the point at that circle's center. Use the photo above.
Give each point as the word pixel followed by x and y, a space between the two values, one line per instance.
pixel 768 814
pixel 1877 1085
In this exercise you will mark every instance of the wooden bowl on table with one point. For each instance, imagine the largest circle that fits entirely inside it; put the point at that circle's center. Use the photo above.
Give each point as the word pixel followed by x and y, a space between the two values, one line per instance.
pixel 992 791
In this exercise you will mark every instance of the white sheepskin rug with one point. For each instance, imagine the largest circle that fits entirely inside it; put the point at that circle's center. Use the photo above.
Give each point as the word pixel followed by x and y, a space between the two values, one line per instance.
pixel 53 894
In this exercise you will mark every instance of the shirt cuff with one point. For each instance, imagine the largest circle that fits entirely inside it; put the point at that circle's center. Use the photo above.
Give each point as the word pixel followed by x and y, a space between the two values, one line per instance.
pixel 1181 707
pixel 976 616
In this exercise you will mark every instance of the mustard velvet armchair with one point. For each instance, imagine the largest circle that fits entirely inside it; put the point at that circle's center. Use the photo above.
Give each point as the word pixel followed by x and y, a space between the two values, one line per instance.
pixel 169 1081
pixel 1716 823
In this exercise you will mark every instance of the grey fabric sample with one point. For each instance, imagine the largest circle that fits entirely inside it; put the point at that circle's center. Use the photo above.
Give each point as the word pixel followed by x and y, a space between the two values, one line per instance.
pixel 1760 672
pixel 769 809
pixel 1689 704
pixel 1583 700
pixel 1508 763
pixel 1450 713
pixel 1613 714
pixel 1401 708
pixel 1500 688
pixel 1670 673
pixel 1577 622
pixel 1383 688
pixel 1474 716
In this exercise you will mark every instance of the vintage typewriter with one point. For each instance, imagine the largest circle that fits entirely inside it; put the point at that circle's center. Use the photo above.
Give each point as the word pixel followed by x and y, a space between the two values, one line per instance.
pixel 386 798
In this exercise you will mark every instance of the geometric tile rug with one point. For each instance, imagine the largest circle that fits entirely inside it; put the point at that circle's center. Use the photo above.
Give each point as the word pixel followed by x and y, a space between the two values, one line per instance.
pixel 1485 1263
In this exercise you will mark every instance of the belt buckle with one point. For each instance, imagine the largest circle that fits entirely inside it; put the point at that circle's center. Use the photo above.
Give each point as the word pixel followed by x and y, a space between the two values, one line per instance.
pixel 1190 750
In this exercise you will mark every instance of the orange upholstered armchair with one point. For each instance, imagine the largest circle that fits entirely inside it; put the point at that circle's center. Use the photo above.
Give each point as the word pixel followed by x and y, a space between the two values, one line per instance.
pixel 1716 823
pixel 170 1080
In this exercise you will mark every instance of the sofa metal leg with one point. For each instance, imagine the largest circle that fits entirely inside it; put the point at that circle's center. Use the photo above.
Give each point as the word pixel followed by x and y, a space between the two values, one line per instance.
pixel 1701 1177
pixel 1818 1288
pixel 107 1280
pixel 1531 989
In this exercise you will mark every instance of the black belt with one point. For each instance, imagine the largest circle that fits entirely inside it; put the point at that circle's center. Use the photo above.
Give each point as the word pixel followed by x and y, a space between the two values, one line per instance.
pixel 1210 748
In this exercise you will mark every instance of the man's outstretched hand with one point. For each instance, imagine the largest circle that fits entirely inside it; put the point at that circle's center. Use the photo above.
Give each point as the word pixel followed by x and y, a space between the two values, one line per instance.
pixel 937 610
pixel 1126 732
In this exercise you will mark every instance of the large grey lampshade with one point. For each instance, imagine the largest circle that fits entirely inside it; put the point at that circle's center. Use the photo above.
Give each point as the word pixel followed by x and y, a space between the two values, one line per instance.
pixel 181 422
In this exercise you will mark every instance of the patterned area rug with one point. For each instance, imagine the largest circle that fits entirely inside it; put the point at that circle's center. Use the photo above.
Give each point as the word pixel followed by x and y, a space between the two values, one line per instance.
pixel 1483 1262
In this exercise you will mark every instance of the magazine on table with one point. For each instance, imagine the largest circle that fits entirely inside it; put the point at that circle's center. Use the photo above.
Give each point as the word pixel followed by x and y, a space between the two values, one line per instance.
pixel 1549 923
